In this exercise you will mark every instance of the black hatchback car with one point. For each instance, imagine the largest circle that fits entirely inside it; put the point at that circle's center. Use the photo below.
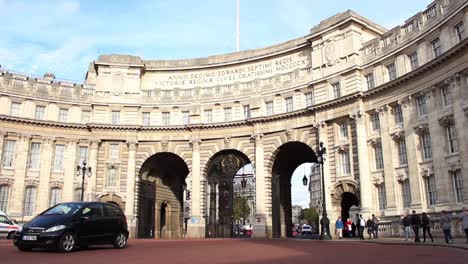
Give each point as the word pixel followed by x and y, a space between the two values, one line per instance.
pixel 77 224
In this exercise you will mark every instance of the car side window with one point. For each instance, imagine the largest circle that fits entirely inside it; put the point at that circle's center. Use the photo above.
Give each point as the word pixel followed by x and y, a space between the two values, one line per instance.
pixel 110 210
pixel 92 210
pixel 4 220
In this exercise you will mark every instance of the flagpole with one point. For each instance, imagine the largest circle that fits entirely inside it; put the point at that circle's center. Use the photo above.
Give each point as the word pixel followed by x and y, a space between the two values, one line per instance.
pixel 238 26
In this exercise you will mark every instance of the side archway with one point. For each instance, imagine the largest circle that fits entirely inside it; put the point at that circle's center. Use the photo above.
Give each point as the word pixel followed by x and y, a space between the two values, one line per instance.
pixel 285 161
pixel 160 196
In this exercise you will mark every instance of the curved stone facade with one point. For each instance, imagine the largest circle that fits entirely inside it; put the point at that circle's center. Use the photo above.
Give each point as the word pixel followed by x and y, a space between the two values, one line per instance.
pixel 391 107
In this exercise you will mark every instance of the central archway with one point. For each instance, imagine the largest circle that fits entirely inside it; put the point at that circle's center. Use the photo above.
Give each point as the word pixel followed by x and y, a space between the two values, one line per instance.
pixel 160 196
pixel 288 157
pixel 221 170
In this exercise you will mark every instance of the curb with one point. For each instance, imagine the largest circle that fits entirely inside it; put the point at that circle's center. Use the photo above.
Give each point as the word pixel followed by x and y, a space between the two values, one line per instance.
pixel 407 244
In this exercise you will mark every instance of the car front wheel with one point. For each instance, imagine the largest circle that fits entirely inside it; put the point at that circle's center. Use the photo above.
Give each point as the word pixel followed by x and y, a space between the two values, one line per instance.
pixel 120 240
pixel 67 242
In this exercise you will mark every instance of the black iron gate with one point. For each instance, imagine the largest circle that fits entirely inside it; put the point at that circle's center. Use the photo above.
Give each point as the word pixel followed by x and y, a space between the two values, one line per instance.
pixel 146 203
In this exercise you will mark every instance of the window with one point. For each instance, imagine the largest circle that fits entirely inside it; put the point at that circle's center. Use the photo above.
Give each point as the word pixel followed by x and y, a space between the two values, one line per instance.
pixel 111 177
pixel 370 81
pixel 93 210
pixel 208 116
pixel 166 118
pixel 379 164
pixel 426 146
pixel 29 201
pixel 406 193
pixel 185 117
pixel 8 153
pixel 458 185
pixel 83 154
pixel 402 157
pixel 375 121
pixel 436 48
pixel 413 58
pixel 452 139
pixel 34 154
pixel 227 114
pixel 422 108
pixel 345 163
pixel 247 111
pixel 382 197
pixel 289 104
pixel 4 195
pixel 309 99
pixel 460 31
pixel 15 109
pixel 115 117
pixel 398 114
pixel 344 130
pixel 55 196
pixel 39 115
pixel 111 210
pixel 58 158
pixel 445 94
pixel 113 151
pixel 269 107
pixel 63 115
pixel 336 90
pixel 85 116
pixel 146 118
pixel 391 69
pixel 77 195
pixel 431 190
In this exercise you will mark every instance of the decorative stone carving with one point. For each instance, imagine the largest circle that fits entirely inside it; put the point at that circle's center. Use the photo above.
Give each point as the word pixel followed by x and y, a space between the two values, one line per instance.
pixel 331 55
pixel 164 145
pixel 342 148
pixel 377 178
pixel 374 141
pixel 356 114
pixel 426 172
pixel 56 184
pixel 95 143
pixel 421 129
pixel 7 180
pixel 289 134
pixel 227 142
pixel 195 143
pixel 257 138
pixel 397 133
pixel 446 120
pixel 401 175
pixel 117 83
pixel 132 144
pixel 31 183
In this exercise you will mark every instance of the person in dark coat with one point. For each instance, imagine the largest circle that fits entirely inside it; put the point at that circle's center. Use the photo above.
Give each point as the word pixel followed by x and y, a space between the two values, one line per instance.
pixel 426 225
pixel 416 224
pixel 370 227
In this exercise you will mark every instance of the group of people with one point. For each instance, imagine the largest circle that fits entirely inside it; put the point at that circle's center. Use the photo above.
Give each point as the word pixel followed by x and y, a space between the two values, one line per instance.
pixel 414 222
pixel 372 225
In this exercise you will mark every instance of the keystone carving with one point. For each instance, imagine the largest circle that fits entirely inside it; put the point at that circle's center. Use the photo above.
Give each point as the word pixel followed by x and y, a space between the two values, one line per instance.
pixel 446 120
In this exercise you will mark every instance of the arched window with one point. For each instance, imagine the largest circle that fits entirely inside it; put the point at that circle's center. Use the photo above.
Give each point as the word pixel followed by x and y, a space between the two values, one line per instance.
pixel 111 177
pixel 29 201
pixel 4 195
pixel 55 196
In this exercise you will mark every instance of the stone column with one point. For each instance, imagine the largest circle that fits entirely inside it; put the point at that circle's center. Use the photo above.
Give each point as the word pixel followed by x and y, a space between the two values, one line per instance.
pixel 44 176
pixel 130 191
pixel 365 184
pixel 196 224
pixel 19 164
pixel 388 179
pixel 69 171
pixel 259 225
pixel 93 161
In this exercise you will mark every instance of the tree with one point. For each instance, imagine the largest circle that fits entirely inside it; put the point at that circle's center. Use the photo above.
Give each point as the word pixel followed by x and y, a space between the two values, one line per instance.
pixel 310 215
pixel 241 208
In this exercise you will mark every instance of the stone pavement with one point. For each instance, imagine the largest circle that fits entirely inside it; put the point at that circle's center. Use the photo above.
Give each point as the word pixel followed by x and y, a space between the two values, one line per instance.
pixel 440 242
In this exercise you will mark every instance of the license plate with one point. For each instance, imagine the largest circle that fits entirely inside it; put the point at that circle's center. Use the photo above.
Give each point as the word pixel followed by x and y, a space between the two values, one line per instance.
pixel 31 238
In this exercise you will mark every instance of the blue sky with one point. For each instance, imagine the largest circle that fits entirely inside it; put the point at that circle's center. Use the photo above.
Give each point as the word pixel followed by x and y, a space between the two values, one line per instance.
pixel 63 36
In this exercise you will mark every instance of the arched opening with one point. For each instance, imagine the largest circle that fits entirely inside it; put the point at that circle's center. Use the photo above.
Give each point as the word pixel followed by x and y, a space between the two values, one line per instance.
pixel 161 196
pixel 222 170
pixel 288 157
pixel 347 201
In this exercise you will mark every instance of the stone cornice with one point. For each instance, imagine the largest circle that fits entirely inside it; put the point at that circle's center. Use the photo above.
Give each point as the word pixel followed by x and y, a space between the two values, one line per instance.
pixel 29 121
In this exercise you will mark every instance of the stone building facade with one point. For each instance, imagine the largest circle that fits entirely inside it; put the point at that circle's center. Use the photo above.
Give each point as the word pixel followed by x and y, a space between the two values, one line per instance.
pixel 391 107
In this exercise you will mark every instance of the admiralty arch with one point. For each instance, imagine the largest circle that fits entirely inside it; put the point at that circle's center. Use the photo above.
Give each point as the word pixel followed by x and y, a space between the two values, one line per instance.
pixel 391 107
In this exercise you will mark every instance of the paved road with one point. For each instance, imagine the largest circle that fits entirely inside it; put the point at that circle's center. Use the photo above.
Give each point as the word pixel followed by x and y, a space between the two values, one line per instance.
pixel 241 251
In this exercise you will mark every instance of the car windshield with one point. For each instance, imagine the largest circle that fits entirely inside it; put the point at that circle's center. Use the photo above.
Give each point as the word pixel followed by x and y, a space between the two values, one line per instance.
pixel 64 209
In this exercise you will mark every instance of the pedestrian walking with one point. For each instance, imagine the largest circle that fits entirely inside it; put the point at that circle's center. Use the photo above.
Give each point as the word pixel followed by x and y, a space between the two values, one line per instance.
pixel 370 227
pixel 406 223
pixel 426 226
pixel 339 227
pixel 376 221
pixel 446 224
pixel 464 220
pixel 416 225
pixel 349 227
pixel 361 226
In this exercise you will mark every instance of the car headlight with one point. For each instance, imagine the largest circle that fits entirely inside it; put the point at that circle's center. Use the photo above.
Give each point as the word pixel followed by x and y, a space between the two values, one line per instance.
pixel 55 228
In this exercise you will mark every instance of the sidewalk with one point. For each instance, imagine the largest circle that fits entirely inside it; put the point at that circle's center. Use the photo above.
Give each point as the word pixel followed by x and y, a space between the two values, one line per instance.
pixel 438 242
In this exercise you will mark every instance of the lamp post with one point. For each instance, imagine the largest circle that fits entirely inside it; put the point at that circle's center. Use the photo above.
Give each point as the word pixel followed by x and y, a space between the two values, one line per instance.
pixel 324 222
pixel 83 171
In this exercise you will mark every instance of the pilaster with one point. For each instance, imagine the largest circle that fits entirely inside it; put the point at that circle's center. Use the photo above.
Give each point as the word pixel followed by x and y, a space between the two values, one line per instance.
pixel 261 212
pixel 196 224
pixel 93 161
